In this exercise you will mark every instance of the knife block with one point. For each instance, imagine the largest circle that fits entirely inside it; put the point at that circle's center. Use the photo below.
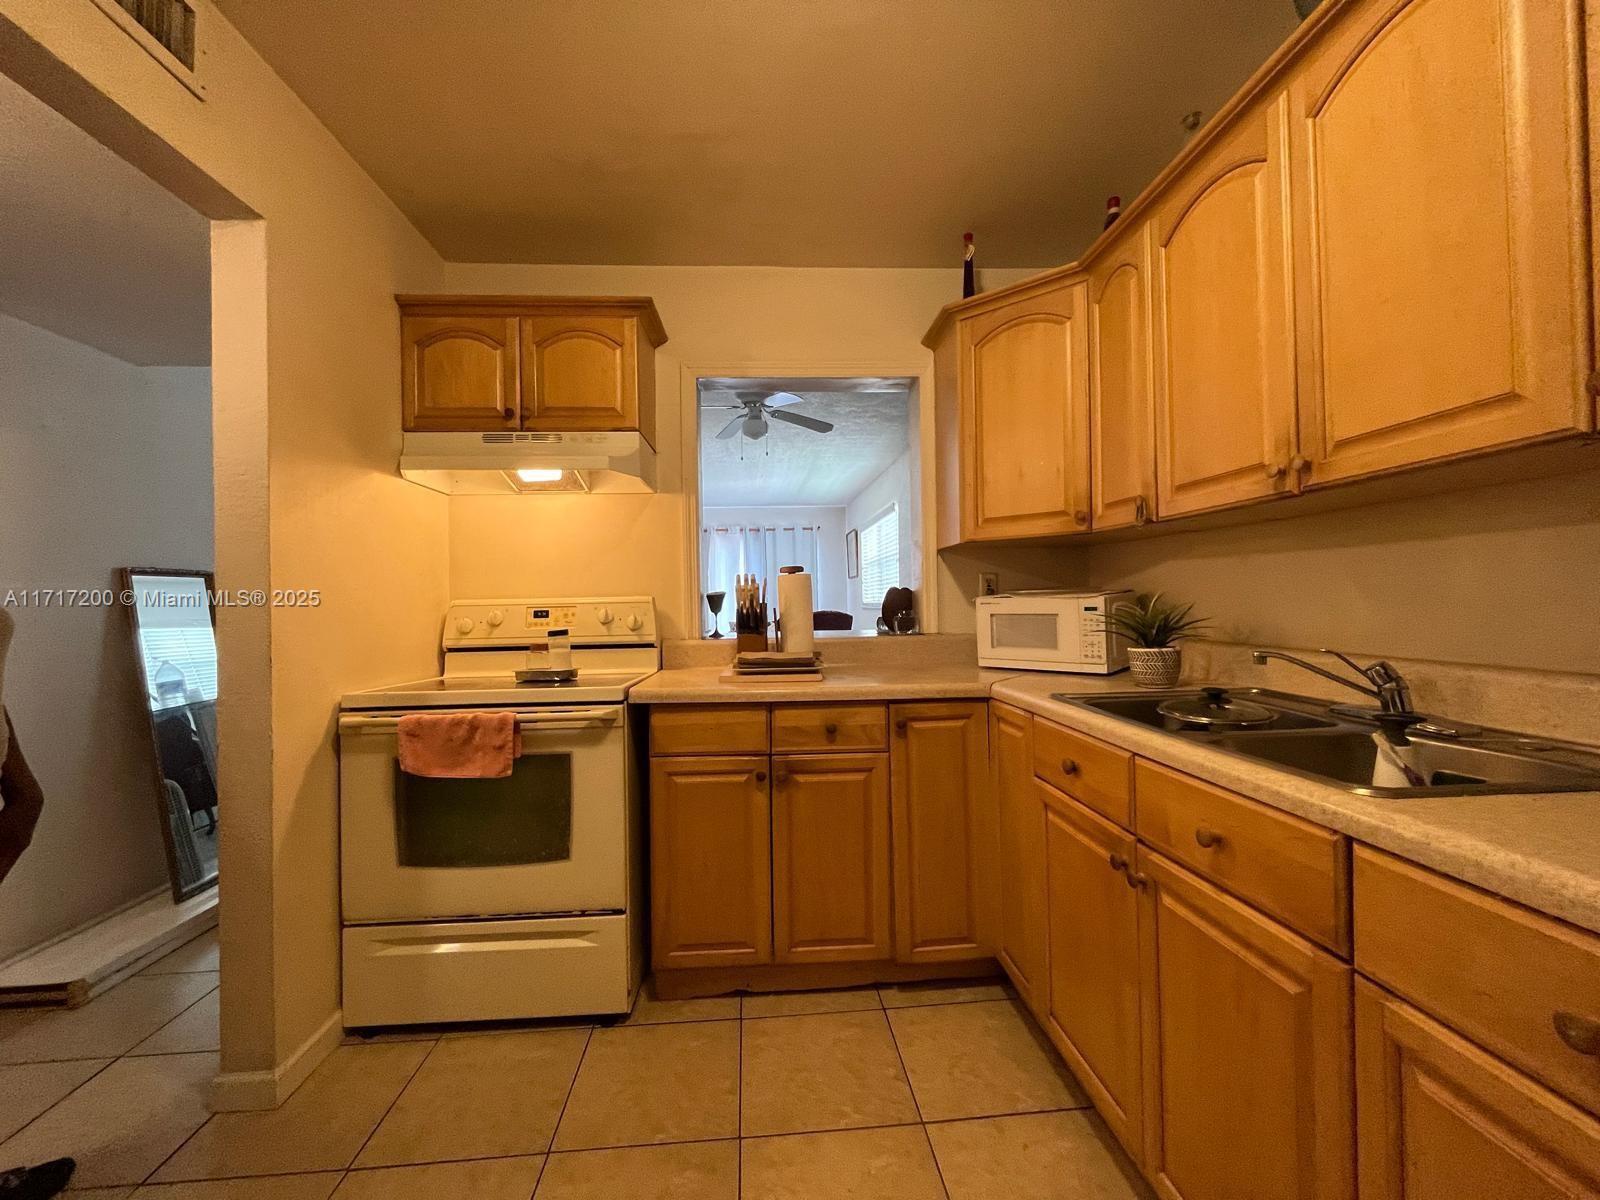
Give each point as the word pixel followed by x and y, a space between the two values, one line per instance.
pixel 750 633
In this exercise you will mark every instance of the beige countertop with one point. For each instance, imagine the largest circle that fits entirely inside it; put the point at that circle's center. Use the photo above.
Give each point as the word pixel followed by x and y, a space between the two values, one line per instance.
pixel 1543 850
pixel 854 681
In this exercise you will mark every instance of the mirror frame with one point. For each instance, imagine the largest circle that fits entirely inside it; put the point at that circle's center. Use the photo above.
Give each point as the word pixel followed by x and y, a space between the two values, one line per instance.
pixel 125 577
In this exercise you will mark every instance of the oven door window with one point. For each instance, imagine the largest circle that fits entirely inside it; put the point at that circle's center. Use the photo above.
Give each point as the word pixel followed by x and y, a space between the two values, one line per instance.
pixel 523 819
pixel 1023 631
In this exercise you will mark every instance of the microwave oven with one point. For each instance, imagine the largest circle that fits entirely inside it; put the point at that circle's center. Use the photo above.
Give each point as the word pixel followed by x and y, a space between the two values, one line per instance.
pixel 1051 631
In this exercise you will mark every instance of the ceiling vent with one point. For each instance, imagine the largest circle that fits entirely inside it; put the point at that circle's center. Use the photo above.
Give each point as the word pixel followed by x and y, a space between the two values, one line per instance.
pixel 166 29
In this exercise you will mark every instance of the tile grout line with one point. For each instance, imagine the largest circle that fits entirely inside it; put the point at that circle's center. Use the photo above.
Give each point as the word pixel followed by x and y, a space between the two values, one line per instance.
pixel 922 1122
pixel 133 1051
pixel 738 1167
pixel 378 1124
pixel 103 1068
pixel 572 1086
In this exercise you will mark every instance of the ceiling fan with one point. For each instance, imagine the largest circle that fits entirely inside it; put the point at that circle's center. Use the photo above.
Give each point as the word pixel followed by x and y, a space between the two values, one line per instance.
pixel 755 407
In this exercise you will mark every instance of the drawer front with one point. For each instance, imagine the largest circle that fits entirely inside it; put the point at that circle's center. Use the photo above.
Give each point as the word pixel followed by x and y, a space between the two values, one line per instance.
pixel 1089 771
pixel 709 729
pixel 1495 971
pixel 818 728
pixel 1297 871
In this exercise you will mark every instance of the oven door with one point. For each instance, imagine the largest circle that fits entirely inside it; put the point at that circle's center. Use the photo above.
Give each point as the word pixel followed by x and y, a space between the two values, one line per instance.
pixel 550 838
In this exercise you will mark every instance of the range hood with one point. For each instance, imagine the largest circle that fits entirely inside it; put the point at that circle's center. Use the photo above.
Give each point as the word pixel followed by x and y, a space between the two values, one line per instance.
pixel 514 463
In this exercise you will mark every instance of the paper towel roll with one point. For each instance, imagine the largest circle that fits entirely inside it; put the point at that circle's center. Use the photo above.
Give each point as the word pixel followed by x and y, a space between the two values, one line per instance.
pixel 794 610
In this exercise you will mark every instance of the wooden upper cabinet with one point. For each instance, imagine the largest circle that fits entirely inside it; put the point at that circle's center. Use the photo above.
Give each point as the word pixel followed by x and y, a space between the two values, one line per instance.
pixel 1247 1050
pixel 830 858
pixel 1439 1118
pixel 1094 1011
pixel 1121 385
pixel 459 373
pixel 711 862
pixel 944 836
pixel 1022 947
pixel 1225 390
pixel 1440 227
pixel 1024 420
pixel 539 363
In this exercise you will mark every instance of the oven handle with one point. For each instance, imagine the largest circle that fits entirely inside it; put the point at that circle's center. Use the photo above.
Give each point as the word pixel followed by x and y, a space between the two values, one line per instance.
pixel 571 718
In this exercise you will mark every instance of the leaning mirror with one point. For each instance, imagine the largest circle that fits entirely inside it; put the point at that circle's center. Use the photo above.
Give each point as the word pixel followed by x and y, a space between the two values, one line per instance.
pixel 175 645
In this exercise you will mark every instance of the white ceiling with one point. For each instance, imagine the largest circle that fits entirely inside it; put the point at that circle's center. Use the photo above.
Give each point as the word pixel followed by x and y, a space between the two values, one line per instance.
pixel 770 132
pixel 93 249
pixel 793 466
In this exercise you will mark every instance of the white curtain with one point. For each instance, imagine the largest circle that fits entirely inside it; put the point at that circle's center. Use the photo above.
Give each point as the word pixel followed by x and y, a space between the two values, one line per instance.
pixel 727 551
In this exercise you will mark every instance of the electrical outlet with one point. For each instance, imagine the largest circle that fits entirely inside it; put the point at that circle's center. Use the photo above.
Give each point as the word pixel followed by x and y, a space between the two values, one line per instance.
pixel 988 583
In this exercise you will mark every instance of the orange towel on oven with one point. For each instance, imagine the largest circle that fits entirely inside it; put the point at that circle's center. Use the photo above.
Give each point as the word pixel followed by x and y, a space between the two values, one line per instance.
pixel 475 745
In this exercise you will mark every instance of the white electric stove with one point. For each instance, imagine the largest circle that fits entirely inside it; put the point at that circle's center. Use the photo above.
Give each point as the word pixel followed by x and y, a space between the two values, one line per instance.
pixel 496 899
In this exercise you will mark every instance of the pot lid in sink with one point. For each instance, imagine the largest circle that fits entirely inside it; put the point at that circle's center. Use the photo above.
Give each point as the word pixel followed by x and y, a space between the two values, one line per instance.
pixel 1215 709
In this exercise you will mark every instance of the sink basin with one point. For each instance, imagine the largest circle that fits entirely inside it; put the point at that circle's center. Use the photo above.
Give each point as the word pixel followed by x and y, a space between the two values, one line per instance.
pixel 1309 738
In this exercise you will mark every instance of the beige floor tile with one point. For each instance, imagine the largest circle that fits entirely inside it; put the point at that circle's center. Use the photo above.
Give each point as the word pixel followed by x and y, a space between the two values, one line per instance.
pixel 655 1083
pixel 980 1060
pixel 114 1193
pixel 274 1187
pixel 111 1024
pixel 795 1004
pixel 1043 1156
pixel 828 1071
pixel 122 1123
pixel 915 995
pixel 197 954
pixel 29 1089
pixel 480 1098
pixel 319 1128
pixel 854 1164
pixel 647 1010
pixel 485 1179
pixel 689 1171
pixel 193 1030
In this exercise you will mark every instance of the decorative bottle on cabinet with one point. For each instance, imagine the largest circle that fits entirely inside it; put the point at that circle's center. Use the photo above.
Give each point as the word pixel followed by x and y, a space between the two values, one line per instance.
pixel 968 284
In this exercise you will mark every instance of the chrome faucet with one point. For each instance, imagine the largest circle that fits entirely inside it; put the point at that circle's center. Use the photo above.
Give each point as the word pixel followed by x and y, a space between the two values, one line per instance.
pixel 1388 688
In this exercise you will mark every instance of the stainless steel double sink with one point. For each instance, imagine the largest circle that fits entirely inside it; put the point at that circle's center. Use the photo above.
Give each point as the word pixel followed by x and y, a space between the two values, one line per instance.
pixel 1325 742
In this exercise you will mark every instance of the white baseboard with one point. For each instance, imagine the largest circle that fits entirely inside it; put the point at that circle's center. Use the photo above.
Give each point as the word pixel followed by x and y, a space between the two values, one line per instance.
pixel 243 1091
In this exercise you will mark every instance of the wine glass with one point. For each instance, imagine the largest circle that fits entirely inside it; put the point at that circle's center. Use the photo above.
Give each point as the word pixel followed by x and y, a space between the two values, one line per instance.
pixel 714 603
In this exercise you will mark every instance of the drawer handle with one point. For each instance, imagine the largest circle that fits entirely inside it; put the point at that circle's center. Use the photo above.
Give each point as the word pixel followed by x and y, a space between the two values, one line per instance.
pixel 1208 839
pixel 831 730
pixel 1118 863
pixel 1068 767
pixel 1579 1033
pixel 761 776
pixel 1136 879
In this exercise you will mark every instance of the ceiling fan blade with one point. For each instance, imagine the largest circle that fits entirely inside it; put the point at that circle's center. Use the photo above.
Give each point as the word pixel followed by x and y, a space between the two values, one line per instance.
pixel 804 422
pixel 715 407
pixel 731 428
pixel 782 399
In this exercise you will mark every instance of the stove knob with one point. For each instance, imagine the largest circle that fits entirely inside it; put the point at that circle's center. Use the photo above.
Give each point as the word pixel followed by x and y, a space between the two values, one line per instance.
pixel 635 623
pixel 464 626
pixel 605 616
pixel 495 618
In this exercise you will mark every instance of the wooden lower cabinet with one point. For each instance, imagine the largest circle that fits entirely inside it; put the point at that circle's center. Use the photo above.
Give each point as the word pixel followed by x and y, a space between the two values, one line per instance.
pixel 831 891
pixel 1093 1015
pixel 944 838
pixel 710 859
pixel 1022 940
pixel 1247 1049
pixel 1440 1118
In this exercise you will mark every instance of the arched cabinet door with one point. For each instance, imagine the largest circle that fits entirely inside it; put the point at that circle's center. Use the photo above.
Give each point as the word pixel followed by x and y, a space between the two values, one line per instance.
pixel 1440 232
pixel 1025 416
pixel 1121 389
pixel 579 372
pixel 458 373
pixel 1225 391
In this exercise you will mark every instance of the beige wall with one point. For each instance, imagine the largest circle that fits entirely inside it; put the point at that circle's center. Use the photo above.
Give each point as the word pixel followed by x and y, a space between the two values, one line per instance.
pixel 102 465
pixel 306 357
pixel 794 319
pixel 1502 576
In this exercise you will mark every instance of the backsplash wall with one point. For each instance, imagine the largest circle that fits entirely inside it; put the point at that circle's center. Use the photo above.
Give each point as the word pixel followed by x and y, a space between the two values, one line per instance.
pixel 1506 575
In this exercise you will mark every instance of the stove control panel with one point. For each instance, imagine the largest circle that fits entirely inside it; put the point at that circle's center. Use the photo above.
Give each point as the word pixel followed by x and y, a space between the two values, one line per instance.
pixel 610 620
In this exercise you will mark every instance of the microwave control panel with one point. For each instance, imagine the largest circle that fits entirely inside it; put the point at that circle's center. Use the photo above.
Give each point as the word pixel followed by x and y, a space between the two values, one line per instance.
pixel 1091 631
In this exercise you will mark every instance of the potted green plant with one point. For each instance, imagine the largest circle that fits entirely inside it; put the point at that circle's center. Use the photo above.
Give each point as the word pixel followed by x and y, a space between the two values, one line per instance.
pixel 1153 628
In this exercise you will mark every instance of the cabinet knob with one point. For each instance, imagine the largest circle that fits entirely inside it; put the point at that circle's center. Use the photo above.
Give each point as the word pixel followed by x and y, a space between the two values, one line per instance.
pixel 1141 510
pixel 1208 839
pixel 1276 470
pixel 761 776
pixel 831 729
pixel 900 726
pixel 780 778
pixel 1080 519
pixel 1118 862
pixel 1579 1033
pixel 1068 767
pixel 1299 464
pixel 1136 879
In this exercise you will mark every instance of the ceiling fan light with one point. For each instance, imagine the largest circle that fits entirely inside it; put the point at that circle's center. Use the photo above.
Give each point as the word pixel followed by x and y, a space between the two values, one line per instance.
pixel 755 428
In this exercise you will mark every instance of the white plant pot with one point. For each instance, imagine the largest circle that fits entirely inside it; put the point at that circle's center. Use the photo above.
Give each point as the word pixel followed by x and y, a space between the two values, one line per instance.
pixel 1155 667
